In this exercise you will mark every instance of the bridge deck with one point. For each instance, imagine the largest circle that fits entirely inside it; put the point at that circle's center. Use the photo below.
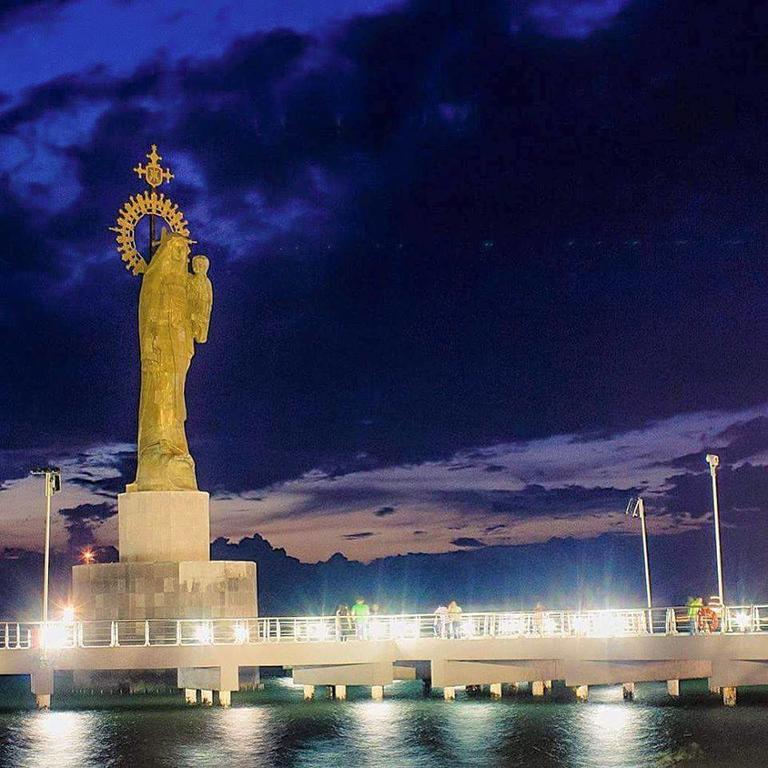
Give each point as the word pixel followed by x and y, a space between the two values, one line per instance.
pixel 581 648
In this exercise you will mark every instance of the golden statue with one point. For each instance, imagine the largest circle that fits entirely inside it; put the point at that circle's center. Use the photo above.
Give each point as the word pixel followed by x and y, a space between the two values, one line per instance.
pixel 174 312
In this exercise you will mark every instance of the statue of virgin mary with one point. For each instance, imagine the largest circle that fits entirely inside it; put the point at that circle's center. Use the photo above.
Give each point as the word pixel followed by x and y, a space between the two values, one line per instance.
pixel 171 315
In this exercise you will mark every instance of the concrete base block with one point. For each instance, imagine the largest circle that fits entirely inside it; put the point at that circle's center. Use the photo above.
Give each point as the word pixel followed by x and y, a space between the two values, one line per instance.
pixel 208 678
pixel 309 692
pixel 449 693
pixel 377 692
pixel 43 700
pixel 190 695
pixel 191 589
pixel 729 696
pixel 225 698
pixel 495 690
pixel 537 687
pixel 673 688
pixel 340 692
pixel 158 526
pixel 628 690
pixel 582 692
pixel 206 697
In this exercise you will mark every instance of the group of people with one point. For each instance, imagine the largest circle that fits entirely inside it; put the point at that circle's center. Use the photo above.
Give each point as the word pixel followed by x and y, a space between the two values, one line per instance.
pixel 704 617
pixel 448 620
pixel 355 621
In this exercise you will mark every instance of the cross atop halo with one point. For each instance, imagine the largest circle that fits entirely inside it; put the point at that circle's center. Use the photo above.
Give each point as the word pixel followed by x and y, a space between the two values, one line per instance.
pixel 153 172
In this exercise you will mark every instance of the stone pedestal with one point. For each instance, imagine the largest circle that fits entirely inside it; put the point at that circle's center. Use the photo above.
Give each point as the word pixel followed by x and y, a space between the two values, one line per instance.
pixel 162 526
pixel 216 589
pixel 165 571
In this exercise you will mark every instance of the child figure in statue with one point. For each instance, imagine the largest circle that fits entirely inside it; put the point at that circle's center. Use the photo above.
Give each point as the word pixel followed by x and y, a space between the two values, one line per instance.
pixel 201 298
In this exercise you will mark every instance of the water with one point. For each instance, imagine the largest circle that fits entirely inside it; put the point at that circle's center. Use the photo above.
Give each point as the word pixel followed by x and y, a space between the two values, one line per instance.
pixel 274 727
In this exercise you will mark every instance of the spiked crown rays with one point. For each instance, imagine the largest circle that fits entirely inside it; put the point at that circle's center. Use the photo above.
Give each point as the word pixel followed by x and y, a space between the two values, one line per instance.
pixel 150 203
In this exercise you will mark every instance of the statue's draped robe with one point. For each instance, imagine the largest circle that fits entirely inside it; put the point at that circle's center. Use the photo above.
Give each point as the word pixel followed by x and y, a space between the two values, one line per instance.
pixel 167 345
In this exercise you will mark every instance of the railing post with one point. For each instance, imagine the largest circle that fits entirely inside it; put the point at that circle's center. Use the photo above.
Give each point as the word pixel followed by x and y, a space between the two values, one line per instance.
pixel 112 634
pixel 178 632
pixel 146 632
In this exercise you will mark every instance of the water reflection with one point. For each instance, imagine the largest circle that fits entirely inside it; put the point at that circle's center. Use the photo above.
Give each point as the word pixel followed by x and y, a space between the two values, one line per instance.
pixel 275 729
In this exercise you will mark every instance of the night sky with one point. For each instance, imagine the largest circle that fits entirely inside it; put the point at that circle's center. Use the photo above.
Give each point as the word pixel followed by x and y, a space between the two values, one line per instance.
pixel 481 271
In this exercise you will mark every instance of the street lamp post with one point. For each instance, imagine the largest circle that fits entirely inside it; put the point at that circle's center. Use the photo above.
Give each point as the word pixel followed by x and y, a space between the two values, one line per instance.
pixel 636 508
pixel 52 477
pixel 714 463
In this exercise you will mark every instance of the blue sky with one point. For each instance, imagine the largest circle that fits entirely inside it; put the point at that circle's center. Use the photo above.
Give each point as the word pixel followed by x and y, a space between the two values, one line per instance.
pixel 482 270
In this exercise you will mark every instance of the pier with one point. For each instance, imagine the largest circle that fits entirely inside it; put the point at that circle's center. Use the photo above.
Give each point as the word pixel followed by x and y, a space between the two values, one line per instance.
pixel 577 648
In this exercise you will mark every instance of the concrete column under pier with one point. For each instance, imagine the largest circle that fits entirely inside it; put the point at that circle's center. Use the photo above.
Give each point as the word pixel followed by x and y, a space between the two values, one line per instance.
pixel 190 695
pixel 582 692
pixel 309 692
pixel 449 693
pixel 537 687
pixel 495 690
pixel 340 692
pixel 41 682
pixel 628 691
pixel 673 688
pixel 729 696
pixel 225 698
pixel 712 687
pixel 377 692
pixel 206 697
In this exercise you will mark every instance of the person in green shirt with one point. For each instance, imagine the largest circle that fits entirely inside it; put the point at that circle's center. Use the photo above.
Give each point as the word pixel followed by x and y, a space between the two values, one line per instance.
pixel 694 605
pixel 360 613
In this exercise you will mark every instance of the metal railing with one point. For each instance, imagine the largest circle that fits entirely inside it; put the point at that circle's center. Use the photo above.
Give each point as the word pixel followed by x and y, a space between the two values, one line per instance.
pixel 731 620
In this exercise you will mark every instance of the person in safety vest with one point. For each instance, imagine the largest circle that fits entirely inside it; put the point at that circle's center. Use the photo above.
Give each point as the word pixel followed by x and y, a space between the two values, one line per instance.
pixel 694 605
pixel 360 613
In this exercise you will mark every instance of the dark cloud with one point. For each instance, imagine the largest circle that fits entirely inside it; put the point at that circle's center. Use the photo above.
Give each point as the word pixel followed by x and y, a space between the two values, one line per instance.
pixel 82 521
pixel 467 541
pixel 536 499
pixel 357 536
pixel 121 469
pixel 384 511
pixel 431 229
pixel 743 488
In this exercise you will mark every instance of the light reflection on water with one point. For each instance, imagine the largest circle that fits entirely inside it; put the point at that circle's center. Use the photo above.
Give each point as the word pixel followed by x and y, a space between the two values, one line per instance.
pixel 275 729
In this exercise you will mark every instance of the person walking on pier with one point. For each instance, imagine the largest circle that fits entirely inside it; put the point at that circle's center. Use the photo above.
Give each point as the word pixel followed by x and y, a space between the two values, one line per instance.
pixel 343 622
pixel 454 619
pixel 360 613
pixel 694 605
pixel 441 621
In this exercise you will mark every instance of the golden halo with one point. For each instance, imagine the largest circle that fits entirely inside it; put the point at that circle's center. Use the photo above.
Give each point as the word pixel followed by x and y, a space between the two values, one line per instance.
pixel 132 212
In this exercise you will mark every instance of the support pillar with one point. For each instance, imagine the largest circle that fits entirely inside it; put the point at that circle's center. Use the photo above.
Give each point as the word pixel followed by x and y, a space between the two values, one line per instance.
pixel 513 688
pixel 628 690
pixel 340 692
pixel 41 683
pixel 713 688
pixel 377 692
pixel 225 698
pixel 206 697
pixel 729 696
pixel 495 690
pixel 673 688
pixel 190 695
pixel 582 692
pixel 426 686
pixel 547 686
pixel 449 693
pixel 43 700
pixel 309 692
pixel 537 687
